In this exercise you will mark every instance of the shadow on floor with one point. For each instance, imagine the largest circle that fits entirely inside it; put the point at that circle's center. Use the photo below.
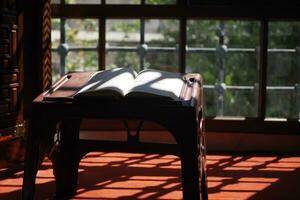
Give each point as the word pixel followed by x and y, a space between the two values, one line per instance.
pixel 123 176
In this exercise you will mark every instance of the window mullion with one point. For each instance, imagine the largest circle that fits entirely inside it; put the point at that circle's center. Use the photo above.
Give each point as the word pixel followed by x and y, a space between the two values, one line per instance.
pixel 141 49
pixel 182 45
pixel 263 57
pixel 182 38
pixel 101 43
pixel 61 51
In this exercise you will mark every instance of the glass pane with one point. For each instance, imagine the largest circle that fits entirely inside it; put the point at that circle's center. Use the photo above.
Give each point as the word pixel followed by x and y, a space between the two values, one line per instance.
pixel 55 1
pixel 203 33
pixel 283 81
pixel 224 53
pixel 82 61
pixel 74 45
pixel 122 32
pixel 55 32
pixel 241 34
pixel 161 38
pixel 83 1
pixel 122 41
pixel 123 1
pixel 210 101
pixel 55 64
pixel 82 33
pixel 241 68
pixel 166 61
pixel 55 41
pixel 282 103
pixel 204 63
pixel 238 102
pixel 160 2
pixel 122 59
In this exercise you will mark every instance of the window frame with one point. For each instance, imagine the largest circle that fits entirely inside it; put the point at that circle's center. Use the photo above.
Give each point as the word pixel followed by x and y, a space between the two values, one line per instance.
pixel 182 11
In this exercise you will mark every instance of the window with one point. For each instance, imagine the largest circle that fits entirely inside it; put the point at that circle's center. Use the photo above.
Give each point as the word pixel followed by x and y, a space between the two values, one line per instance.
pixel 250 63
pixel 283 82
pixel 142 44
pixel 225 52
pixel 74 43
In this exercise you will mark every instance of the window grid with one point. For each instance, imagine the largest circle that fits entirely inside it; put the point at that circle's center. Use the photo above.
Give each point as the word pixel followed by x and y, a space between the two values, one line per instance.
pixel 183 50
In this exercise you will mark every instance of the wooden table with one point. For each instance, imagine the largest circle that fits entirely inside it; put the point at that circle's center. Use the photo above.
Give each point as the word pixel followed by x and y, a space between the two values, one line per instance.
pixel 183 119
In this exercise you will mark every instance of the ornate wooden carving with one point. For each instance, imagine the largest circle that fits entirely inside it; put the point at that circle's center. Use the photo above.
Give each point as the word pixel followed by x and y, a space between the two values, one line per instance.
pixel 46 44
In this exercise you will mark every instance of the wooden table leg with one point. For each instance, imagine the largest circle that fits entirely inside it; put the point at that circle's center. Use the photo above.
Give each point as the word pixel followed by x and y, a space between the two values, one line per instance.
pixel 66 159
pixel 202 142
pixel 39 133
pixel 204 188
pixel 31 163
pixel 185 132
pixel 190 171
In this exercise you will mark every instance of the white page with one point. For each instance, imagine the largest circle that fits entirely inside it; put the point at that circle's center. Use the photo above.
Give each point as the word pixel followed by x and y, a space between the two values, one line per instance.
pixel 109 83
pixel 158 83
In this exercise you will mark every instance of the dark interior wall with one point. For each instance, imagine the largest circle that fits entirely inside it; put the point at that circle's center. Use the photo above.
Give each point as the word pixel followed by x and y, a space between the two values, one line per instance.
pixel 31 17
pixel 29 45
pixel 11 79
pixel 11 65
pixel 20 71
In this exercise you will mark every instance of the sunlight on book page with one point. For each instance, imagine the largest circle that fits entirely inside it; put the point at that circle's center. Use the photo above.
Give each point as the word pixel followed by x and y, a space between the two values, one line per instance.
pixel 115 82
pixel 160 83
pixel 120 82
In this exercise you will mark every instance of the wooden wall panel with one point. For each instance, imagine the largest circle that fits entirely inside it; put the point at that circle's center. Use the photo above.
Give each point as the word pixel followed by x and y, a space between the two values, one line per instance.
pixel 9 68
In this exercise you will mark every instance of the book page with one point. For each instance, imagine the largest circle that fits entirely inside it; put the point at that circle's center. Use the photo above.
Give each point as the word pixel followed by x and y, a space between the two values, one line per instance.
pixel 109 83
pixel 157 84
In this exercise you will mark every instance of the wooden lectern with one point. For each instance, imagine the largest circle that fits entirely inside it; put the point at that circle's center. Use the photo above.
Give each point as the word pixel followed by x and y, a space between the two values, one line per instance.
pixel 183 119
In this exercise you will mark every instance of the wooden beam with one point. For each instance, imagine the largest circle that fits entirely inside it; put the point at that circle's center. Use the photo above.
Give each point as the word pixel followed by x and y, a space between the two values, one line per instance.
pixel 257 11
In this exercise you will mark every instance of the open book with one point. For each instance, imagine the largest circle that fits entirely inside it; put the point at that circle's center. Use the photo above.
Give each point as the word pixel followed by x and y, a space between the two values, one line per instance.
pixel 125 82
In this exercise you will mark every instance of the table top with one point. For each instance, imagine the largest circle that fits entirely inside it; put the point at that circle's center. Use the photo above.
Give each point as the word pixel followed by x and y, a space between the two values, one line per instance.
pixel 60 98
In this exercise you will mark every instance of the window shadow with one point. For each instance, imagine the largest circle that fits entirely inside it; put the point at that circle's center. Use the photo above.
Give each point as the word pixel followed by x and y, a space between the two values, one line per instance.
pixel 125 176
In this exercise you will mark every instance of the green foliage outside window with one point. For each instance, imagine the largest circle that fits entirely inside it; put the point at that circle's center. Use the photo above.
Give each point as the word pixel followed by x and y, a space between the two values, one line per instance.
pixel 241 68
pixel 284 70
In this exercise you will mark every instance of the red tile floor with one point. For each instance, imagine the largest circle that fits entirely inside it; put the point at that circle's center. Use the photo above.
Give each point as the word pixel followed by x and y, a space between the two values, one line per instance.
pixel 138 176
